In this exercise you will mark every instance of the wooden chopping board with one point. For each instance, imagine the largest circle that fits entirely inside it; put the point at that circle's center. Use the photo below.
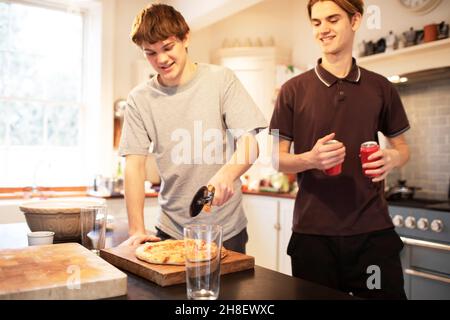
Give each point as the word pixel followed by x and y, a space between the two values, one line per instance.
pixel 166 275
pixel 58 271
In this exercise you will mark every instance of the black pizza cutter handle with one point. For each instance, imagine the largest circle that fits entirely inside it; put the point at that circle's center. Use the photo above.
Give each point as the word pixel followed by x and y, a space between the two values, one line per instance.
pixel 203 197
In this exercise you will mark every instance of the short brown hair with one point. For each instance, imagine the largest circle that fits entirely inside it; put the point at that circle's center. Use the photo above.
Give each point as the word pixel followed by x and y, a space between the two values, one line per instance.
pixel 350 6
pixel 156 23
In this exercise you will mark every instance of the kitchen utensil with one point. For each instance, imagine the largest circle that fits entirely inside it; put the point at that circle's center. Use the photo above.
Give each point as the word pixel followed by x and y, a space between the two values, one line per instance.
pixel 58 271
pixel 202 199
pixel 401 191
pixel 430 32
pixel 124 258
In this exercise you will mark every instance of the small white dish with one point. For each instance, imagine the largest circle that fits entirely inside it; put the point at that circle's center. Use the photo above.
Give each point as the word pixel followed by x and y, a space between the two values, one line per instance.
pixel 38 238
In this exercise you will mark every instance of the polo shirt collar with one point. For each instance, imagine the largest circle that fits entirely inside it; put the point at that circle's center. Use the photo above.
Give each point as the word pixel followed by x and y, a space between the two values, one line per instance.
pixel 329 79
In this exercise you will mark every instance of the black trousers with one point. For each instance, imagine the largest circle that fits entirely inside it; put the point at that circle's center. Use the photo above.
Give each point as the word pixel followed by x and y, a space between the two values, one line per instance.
pixel 366 265
pixel 236 243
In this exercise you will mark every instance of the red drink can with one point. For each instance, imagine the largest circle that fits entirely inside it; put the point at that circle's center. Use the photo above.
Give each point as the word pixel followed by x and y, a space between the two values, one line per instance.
pixel 367 148
pixel 337 169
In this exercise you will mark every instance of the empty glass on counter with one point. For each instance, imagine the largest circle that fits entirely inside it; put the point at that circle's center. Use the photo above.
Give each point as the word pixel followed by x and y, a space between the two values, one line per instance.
pixel 203 245
pixel 93 221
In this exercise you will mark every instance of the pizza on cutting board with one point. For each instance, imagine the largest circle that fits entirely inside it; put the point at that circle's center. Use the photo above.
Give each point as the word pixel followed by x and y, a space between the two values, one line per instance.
pixel 173 251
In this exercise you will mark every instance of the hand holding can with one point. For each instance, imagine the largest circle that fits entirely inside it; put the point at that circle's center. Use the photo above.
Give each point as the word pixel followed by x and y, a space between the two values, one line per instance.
pixel 368 148
pixel 337 169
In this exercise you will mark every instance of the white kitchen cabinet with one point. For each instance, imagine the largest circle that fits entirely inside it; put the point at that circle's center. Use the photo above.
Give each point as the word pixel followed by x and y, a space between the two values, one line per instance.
pixel 118 209
pixel 262 229
pixel 269 230
pixel 286 215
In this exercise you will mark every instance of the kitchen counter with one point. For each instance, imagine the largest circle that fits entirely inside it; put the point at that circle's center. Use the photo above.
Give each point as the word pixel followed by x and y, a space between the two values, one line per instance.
pixel 284 195
pixel 257 284
pixel 421 204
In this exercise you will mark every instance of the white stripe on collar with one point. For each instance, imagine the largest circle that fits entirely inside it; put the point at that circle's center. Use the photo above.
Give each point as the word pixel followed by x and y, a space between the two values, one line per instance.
pixel 359 74
pixel 320 78
pixel 329 85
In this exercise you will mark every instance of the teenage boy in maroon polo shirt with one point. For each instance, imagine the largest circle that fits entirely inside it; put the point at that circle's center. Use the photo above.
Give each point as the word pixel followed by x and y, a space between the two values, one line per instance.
pixel 342 234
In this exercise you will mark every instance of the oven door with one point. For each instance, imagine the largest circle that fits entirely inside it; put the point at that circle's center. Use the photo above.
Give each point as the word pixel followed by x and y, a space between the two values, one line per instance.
pixel 426 269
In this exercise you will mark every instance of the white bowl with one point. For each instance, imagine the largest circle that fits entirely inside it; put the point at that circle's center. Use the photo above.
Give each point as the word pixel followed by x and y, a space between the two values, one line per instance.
pixel 38 238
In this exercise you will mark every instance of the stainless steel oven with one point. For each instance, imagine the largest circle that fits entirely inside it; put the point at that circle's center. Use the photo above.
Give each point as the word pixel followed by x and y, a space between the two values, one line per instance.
pixel 424 228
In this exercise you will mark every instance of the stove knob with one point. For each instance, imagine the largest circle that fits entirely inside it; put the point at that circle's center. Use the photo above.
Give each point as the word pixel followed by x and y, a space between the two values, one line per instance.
pixel 397 220
pixel 437 226
pixel 410 222
pixel 422 224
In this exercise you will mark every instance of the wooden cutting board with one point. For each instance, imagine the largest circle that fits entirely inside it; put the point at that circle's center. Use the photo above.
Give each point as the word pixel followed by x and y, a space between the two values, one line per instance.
pixel 58 271
pixel 166 275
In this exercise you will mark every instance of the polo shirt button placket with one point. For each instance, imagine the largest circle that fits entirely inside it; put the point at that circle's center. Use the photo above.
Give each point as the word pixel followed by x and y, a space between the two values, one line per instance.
pixel 340 91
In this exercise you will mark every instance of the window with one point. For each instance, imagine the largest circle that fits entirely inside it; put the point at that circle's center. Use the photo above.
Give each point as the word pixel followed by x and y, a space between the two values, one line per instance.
pixel 41 95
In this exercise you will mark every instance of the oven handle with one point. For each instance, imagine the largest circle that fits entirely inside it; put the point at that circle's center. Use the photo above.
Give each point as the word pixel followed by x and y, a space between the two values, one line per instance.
pixel 426 244
pixel 427 275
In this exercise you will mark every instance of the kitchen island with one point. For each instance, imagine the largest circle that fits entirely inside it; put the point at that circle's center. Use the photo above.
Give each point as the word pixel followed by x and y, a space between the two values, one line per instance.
pixel 257 284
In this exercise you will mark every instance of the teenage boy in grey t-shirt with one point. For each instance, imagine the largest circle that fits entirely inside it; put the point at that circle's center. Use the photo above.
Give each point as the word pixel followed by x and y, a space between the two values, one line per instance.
pixel 193 114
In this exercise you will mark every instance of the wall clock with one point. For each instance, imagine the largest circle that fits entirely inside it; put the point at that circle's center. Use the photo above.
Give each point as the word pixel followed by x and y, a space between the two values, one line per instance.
pixel 420 6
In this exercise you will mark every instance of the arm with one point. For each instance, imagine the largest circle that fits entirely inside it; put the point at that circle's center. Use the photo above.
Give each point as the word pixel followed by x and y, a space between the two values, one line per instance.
pixel 320 157
pixel 242 159
pixel 134 198
pixel 395 157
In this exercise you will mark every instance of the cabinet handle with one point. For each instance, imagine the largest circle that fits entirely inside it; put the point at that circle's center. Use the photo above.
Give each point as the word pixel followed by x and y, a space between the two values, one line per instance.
pixel 277 226
pixel 425 244
pixel 426 275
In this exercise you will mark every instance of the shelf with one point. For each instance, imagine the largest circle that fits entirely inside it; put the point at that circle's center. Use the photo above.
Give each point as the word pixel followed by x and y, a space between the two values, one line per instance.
pixel 279 54
pixel 411 59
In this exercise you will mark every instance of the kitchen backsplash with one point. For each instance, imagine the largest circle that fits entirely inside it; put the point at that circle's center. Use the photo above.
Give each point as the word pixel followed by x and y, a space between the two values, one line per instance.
pixel 428 109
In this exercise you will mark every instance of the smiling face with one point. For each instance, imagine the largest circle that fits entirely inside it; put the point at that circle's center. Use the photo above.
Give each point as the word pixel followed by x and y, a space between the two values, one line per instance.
pixel 168 58
pixel 332 28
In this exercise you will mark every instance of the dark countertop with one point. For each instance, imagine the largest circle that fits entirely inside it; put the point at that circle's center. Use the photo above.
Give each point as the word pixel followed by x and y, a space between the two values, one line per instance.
pixel 257 284
pixel 284 195
pixel 421 204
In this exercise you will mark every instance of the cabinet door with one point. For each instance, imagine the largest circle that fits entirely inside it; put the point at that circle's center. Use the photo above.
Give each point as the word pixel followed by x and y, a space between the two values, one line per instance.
pixel 118 208
pixel 286 215
pixel 262 215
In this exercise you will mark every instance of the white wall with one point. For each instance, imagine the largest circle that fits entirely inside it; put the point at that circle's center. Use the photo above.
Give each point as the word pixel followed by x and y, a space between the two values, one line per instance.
pixel 201 13
pixel 270 18
pixel 393 17
pixel 287 21
pixel 284 20
pixel 125 51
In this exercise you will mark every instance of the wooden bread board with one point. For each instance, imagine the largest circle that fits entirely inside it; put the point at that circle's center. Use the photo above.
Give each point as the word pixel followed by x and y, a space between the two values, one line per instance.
pixel 167 275
pixel 58 271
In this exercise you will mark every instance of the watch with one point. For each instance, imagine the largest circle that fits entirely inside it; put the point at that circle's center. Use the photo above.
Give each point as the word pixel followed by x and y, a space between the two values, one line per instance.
pixel 420 6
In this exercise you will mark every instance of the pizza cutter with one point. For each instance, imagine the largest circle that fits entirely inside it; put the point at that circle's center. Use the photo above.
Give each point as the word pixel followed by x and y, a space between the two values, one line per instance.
pixel 202 199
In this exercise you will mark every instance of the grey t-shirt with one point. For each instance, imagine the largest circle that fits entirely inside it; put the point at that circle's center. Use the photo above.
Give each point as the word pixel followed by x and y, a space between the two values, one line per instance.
pixel 189 126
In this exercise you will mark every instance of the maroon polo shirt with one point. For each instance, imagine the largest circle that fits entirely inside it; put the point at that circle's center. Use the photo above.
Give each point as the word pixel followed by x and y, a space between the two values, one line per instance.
pixel 317 103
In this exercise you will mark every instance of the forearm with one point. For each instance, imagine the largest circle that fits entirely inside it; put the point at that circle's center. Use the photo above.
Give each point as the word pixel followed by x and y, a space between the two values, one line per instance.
pixel 246 153
pixel 293 163
pixel 399 151
pixel 134 198
pixel 402 157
